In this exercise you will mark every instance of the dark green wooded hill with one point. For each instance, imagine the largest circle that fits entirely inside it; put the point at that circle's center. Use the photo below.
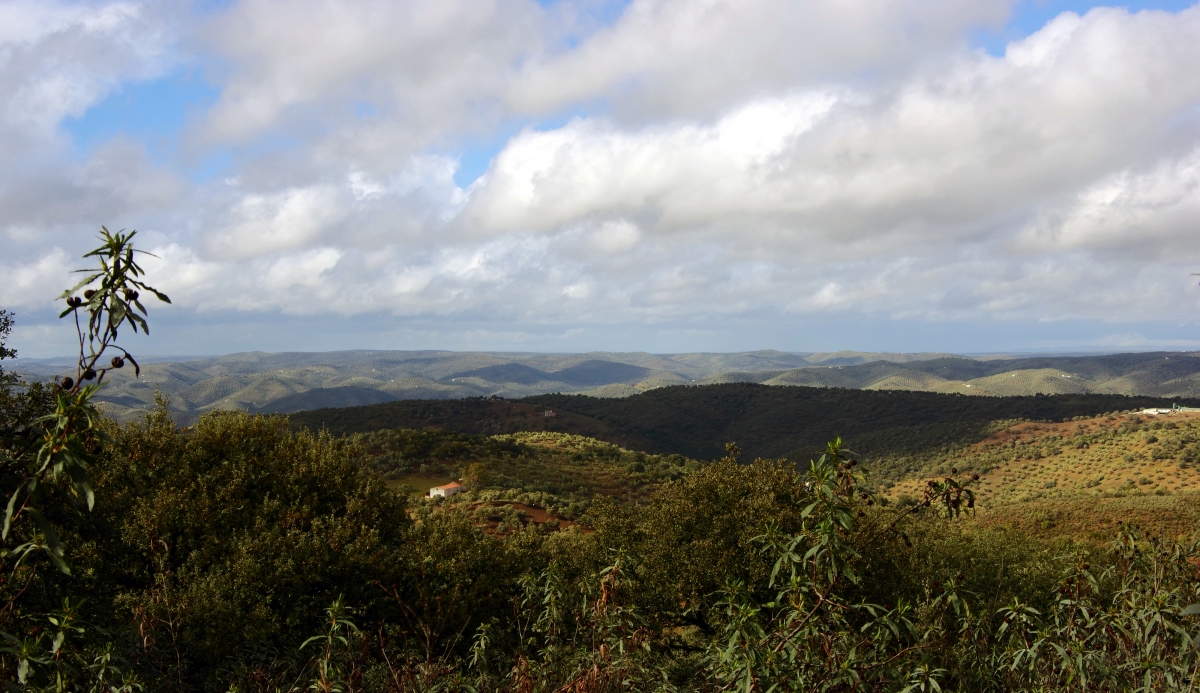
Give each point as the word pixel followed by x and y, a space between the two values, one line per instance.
pixel 475 415
pixel 794 421
pixel 765 421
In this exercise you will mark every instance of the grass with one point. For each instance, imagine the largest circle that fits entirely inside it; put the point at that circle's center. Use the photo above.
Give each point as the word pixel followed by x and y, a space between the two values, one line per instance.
pixel 1097 520
pixel 1081 477
pixel 418 484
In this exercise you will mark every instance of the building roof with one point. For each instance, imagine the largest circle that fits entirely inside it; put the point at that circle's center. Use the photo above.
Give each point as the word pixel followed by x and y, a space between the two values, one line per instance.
pixel 452 484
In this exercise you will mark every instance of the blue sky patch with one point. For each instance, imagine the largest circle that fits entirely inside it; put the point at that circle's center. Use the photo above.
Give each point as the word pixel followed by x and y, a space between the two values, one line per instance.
pixel 478 153
pixel 152 113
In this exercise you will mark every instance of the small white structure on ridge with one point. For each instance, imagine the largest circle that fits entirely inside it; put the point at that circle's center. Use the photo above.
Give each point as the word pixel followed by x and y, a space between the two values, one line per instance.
pixel 1175 409
pixel 445 491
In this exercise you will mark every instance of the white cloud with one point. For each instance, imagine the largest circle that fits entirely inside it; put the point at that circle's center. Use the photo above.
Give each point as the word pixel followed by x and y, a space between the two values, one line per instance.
pixel 34 284
pixel 679 173
pixel 264 224
pixel 433 68
pixel 59 58
pixel 1149 214
pixel 694 57
pixel 614 237
pixel 763 158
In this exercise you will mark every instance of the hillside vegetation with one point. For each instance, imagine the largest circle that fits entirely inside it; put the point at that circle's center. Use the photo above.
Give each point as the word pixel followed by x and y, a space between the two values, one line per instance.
pixel 215 550
pixel 794 422
pixel 1076 478
pixel 238 554
pixel 290 382
pixel 557 471
pixel 767 422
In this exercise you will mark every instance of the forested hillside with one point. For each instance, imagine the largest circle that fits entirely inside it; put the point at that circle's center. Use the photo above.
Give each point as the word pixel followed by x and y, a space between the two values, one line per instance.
pixel 765 421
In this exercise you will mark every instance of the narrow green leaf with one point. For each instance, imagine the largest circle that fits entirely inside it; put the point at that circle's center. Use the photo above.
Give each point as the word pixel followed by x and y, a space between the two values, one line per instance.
pixel 12 505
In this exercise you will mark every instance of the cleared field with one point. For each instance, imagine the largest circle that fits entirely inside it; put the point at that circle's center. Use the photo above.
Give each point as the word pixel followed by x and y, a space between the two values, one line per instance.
pixel 419 484
pixel 1079 477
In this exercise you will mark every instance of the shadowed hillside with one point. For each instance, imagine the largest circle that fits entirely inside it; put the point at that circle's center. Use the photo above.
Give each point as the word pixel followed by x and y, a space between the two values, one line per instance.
pixel 697 421
pixel 793 421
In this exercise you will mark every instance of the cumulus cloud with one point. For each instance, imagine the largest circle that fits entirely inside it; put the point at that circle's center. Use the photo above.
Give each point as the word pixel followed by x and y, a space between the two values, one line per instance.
pixel 719 160
pixel 57 60
pixel 671 58
pixel 264 224
pixel 429 69
pixel 31 284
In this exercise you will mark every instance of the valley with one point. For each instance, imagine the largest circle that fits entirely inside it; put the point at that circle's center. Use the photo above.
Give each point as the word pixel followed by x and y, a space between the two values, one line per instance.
pixel 1051 465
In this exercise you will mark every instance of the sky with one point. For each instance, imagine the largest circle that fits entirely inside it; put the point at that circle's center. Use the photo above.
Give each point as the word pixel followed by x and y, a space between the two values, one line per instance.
pixel 972 176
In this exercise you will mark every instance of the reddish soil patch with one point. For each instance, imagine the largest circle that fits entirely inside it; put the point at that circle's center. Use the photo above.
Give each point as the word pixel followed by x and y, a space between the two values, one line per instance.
pixel 1031 431
pixel 531 514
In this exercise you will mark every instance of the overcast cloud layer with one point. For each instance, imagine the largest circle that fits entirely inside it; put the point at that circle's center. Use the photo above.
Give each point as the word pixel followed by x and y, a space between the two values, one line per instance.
pixel 669 175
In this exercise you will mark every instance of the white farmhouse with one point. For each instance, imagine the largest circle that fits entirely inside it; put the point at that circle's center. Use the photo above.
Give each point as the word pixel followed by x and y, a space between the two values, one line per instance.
pixel 445 491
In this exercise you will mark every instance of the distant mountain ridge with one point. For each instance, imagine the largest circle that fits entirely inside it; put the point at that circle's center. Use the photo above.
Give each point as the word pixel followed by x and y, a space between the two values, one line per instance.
pixel 298 381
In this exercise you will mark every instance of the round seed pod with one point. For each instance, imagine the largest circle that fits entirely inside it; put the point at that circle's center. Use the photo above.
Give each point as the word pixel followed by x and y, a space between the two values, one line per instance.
pixel 87 295
pixel 974 477
pixel 118 362
pixel 67 383
pixel 89 374
pixel 954 470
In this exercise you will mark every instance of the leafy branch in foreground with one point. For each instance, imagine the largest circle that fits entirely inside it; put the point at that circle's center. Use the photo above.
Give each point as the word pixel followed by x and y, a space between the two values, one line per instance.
pixel 113 301
pixel 58 445
pixel 50 455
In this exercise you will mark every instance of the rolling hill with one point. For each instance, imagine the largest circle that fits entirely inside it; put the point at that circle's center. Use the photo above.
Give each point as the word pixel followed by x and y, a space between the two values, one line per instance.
pixel 697 421
pixel 1053 465
pixel 292 382
pixel 1081 477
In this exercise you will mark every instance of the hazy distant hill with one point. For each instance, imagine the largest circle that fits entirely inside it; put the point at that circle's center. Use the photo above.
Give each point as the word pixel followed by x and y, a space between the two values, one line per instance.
pixel 290 382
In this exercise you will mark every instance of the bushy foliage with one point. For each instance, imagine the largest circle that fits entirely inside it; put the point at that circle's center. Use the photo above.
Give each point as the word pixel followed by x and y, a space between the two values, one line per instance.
pixel 558 471
pixel 216 553
pixel 237 555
